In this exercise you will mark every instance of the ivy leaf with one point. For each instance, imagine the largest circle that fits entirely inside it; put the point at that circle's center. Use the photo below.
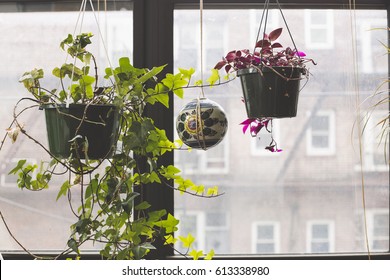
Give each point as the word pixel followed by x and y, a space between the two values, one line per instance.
pixel 210 255
pixel 143 206
pixel 139 252
pixel 212 191
pixel 169 224
pixel 150 74
pixel 187 241
pixel 157 215
pixel 18 166
pixel 214 77
pixel 170 239
pixel 196 254
pixel 64 189
pixel 72 244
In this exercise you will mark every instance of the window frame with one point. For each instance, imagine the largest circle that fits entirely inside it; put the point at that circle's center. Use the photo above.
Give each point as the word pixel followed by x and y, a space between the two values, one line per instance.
pixel 153 45
pixel 331 133
pixel 275 238
pixel 330 238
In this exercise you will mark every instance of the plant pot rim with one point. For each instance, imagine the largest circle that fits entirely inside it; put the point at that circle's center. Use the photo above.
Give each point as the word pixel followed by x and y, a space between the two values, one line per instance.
pixel 254 70
pixel 63 105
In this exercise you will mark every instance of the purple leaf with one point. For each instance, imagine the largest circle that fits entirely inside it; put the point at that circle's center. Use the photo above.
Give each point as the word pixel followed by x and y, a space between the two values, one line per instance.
pixel 227 68
pixel 276 45
pixel 231 56
pixel 220 65
pixel 275 34
pixel 263 44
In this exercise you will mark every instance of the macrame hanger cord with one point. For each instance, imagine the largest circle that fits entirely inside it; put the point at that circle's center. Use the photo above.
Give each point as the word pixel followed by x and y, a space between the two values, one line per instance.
pixel 265 14
pixel 80 18
pixel 288 29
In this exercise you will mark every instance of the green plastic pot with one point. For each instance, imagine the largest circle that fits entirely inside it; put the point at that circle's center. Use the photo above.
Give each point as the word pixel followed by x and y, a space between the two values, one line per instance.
pixel 65 126
pixel 271 93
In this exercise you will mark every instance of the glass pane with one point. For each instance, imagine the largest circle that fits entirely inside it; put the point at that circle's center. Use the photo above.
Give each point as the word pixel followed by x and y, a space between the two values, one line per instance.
pixel 320 123
pixel 295 186
pixel 265 248
pixel 320 141
pixel 320 231
pixel 381 226
pixel 30 37
pixel 265 232
pixel 217 240
pixel 320 247
pixel 215 220
pixel 319 36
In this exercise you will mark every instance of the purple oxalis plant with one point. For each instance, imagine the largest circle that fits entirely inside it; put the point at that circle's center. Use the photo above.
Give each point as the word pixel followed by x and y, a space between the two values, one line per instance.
pixel 267 54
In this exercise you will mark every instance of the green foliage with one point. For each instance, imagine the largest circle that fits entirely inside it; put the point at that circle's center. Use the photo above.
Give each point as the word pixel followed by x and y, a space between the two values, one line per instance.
pixel 111 210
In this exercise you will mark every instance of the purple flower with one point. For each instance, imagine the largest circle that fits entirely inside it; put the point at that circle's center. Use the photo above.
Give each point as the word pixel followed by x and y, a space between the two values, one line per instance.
pixel 255 125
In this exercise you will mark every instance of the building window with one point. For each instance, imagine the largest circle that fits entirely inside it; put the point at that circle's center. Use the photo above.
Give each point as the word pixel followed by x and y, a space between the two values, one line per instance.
pixel 212 161
pixel 376 148
pixel 321 133
pixel 380 231
pixel 263 139
pixel 320 236
pixel 372 52
pixel 265 237
pixel 211 230
pixel 377 230
pixel 294 183
pixel 319 29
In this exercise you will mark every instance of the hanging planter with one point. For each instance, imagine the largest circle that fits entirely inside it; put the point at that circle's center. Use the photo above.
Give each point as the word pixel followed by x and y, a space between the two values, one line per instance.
pixel 84 131
pixel 271 92
pixel 201 124
pixel 270 77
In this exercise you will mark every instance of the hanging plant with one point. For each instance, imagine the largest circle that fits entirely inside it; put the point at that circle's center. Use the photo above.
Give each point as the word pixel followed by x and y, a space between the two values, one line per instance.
pixel 110 210
pixel 270 78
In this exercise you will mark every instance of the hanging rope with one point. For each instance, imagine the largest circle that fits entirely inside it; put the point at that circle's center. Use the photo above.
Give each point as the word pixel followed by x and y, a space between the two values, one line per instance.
pixel 198 111
pixel 80 19
pixel 265 20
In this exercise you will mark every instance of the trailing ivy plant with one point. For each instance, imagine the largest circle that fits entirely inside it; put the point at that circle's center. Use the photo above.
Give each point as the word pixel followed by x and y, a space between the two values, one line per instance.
pixel 109 209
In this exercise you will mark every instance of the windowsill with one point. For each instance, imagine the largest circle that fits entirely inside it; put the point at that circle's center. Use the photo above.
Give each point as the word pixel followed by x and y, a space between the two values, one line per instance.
pixel 93 255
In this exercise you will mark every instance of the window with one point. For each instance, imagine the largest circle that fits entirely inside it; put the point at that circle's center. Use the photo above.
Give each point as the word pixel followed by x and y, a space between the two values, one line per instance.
pixel 289 191
pixel 375 146
pixel 212 161
pixel 320 237
pixel 31 34
pixel 315 175
pixel 319 29
pixel 380 231
pixel 265 237
pixel 377 229
pixel 321 134
pixel 216 229
pixel 371 54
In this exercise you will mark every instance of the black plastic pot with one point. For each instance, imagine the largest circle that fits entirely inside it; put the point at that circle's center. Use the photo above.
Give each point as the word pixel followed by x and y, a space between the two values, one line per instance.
pixel 98 128
pixel 272 93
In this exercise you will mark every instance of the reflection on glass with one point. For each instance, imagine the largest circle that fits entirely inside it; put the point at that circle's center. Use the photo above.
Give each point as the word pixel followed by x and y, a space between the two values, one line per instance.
pixel 317 176
pixel 31 40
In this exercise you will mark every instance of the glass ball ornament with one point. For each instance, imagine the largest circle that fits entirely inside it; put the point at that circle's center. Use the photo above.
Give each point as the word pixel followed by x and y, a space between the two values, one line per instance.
pixel 201 124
